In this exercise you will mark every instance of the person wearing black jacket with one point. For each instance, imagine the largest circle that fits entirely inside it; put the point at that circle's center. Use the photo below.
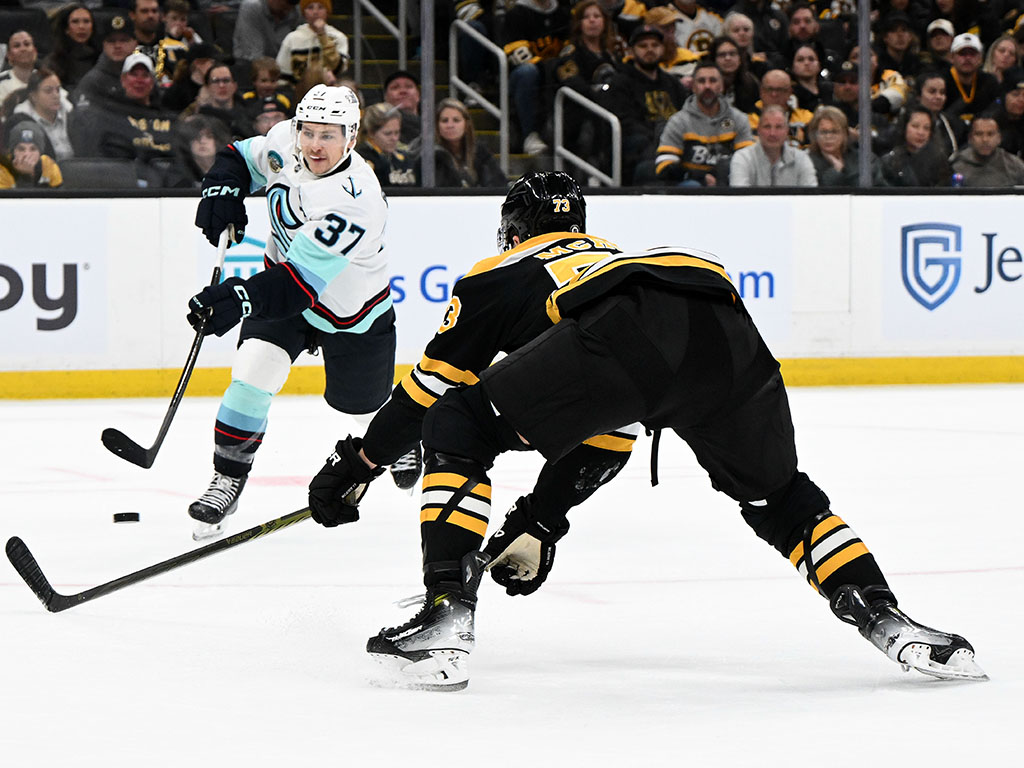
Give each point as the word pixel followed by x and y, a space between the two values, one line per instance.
pixel 75 49
pixel 643 97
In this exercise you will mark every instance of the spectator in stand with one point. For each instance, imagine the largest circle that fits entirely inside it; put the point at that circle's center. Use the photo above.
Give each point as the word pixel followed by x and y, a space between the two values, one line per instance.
pixel 1010 115
pixel 969 91
pixel 675 59
pixel 889 90
pixel 173 45
pixel 269 115
pixel 916 161
pixel 804 29
pixel 46 104
pixel 770 25
pixel 75 49
pixel 938 41
pixel 128 125
pixel 535 31
pixel 949 135
pixel 262 26
pixel 314 43
pixel 147 20
pixel 643 96
pixel 740 28
pixel 1001 57
pixel 699 139
pixel 586 65
pixel 476 65
pixel 379 132
pixel 810 88
pixel 777 90
pixel 984 163
pixel 741 87
pixel 197 140
pixel 219 100
pixel 836 162
pixel 772 161
pixel 696 26
pixel 189 76
pixel 25 165
pixel 459 160
pixel 896 49
pixel 264 75
pixel 104 79
pixel 402 90
pixel 846 96
pixel 22 58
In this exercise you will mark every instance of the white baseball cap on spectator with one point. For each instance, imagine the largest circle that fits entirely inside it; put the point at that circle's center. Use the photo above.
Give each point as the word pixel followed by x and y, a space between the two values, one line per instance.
pixel 966 40
pixel 135 59
pixel 940 25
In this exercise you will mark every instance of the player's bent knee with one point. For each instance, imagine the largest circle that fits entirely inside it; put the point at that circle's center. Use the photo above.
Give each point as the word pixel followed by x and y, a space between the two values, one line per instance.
pixel 463 423
pixel 781 518
pixel 262 365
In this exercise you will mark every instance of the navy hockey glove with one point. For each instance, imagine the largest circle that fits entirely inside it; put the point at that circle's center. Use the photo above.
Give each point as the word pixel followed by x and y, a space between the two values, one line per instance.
pixel 522 551
pixel 337 489
pixel 222 205
pixel 223 305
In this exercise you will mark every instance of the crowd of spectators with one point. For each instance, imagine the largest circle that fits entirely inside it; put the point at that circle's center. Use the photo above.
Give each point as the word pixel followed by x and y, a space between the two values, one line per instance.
pixel 712 93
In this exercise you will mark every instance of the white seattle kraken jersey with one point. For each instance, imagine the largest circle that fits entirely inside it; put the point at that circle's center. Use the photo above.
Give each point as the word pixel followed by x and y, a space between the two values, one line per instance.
pixel 328 229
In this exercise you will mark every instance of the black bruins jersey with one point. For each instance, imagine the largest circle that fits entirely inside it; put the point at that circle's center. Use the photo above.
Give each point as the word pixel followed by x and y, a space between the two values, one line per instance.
pixel 497 307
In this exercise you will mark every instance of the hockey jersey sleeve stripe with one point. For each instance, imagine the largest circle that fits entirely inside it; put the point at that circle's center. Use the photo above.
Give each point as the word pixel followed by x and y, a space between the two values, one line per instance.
pixel 669 149
pixel 246 150
pixel 611 443
pixel 449 372
pixel 721 138
pixel 317 265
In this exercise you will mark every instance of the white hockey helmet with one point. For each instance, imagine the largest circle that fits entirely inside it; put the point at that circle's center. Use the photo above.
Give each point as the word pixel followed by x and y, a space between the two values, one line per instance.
pixel 330 105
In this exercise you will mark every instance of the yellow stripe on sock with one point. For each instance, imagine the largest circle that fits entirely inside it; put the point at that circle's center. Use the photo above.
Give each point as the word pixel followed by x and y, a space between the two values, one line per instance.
pixel 477 526
pixel 453 480
pixel 429 514
pixel 828 524
pixel 837 561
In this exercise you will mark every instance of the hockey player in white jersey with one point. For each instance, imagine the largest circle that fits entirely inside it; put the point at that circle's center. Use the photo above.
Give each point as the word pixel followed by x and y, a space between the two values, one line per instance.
pixel 326 283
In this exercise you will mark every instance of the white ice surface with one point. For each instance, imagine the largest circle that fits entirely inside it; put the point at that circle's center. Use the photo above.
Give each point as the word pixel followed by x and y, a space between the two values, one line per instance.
pixel 667 635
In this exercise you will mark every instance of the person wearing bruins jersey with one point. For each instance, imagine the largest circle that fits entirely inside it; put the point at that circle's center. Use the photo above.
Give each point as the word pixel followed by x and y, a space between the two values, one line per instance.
pixel 661 337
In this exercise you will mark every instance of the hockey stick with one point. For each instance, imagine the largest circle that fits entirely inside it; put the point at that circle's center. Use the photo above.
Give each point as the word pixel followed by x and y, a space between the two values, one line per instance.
pixel 116 441
pixel 26 565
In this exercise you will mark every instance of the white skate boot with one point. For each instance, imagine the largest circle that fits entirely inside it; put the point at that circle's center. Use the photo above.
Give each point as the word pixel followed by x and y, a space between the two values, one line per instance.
pixel 431 651
pixel 219 501
pixel 909 644
pixel 406 469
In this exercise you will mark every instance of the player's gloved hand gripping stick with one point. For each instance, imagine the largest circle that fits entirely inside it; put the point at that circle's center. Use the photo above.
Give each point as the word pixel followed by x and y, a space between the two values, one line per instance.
pixel 119 443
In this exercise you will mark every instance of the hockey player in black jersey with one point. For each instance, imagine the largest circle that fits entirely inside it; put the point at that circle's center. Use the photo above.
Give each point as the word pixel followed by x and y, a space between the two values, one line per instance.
pixel 660 337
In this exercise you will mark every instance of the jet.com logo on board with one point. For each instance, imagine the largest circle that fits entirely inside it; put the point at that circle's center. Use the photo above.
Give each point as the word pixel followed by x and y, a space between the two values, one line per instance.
pixel 930 261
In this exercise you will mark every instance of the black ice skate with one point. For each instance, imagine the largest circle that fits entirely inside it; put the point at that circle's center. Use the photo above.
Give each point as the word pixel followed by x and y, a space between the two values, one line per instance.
pixel 219 501
pixel 406 469
pixel 909 644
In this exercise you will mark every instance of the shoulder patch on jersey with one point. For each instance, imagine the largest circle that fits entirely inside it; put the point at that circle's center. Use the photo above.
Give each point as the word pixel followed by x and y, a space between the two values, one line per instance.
pixel 275 161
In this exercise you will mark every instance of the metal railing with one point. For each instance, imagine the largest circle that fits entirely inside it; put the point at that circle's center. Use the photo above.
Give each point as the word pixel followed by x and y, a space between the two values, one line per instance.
pixel 456 85
pixel 398 32
pixel 562 154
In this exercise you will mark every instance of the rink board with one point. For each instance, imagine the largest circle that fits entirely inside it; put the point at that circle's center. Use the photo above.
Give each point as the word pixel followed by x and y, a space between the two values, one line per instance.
pixel 846 290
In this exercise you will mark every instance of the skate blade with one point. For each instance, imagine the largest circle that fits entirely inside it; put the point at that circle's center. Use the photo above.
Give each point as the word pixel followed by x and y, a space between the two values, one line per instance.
pixel 961 664
pixel 443 670
pixel 202 531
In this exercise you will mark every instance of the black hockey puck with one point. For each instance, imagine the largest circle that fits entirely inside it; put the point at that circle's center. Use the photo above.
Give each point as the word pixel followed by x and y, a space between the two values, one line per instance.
pixel 126 517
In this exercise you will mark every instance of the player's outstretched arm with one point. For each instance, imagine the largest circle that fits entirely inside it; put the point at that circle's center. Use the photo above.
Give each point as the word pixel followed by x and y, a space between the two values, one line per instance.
pixel 337 489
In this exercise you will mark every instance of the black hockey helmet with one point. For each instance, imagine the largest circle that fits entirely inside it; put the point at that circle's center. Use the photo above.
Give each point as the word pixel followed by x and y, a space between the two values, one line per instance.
pixel 540 202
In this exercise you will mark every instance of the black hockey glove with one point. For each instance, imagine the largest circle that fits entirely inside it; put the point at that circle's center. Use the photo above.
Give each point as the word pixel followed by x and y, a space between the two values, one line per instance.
pixel 224 191
pixel 337 489
pixel 522 551
pixel 223 305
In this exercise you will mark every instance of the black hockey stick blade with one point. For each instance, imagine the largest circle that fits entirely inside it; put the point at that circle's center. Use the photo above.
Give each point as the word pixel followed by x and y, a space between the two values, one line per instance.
pixel 119 444
pixel 27 567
